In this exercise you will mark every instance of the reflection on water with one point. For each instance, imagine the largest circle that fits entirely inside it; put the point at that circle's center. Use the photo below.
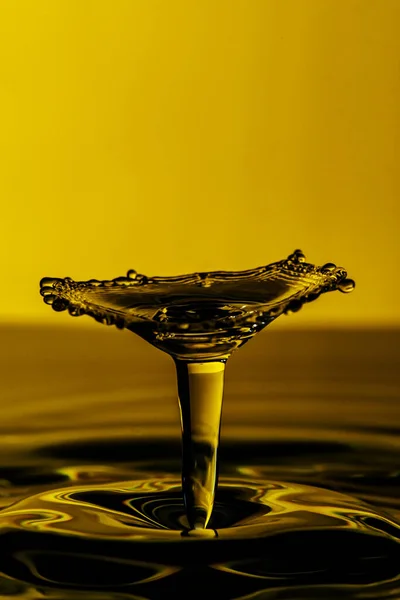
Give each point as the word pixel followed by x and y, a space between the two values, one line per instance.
pixel 91 507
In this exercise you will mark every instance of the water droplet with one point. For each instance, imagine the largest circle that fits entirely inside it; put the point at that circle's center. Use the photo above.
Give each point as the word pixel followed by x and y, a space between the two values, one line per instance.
pixel 48 281
pixel 204 280
pixel 75 311
pixel 46 291
pixel 49 298
pixel 121 281
pixel 328 267
pixel 294 306
pixel 161 335
pixel 297 256
pixel 119 323
pixel 104 319
pixel 131 274
pixel 59 304
pixel 142 279
pixel 313 296
pixel 346 286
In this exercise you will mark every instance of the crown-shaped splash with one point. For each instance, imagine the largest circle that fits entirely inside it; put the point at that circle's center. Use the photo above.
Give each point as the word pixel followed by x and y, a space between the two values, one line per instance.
pixel 199 319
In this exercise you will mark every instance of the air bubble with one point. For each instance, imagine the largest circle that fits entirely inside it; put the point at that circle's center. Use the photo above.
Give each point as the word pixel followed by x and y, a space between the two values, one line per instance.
pixel 162 335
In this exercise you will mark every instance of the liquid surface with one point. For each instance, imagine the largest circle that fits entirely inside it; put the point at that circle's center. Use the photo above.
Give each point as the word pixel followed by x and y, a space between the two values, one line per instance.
pixel 308 504
pixel 200 316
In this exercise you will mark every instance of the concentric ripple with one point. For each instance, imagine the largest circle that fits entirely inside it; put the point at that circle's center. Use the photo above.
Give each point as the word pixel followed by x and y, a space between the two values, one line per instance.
pixel 275 527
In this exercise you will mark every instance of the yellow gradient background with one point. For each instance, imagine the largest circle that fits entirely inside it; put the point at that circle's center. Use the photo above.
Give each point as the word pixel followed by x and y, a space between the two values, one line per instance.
pixel 179 135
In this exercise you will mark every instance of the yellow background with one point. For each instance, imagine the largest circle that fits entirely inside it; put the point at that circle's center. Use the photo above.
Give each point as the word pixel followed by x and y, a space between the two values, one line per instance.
pixel 180 135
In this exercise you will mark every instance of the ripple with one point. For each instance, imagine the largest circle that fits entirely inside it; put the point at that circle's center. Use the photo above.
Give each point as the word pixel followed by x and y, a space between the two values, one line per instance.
pixel 123 533
pixel 292 519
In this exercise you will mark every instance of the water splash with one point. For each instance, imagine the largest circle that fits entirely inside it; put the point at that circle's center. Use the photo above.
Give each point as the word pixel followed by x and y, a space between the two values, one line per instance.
pixel 199 319
pixel 199 316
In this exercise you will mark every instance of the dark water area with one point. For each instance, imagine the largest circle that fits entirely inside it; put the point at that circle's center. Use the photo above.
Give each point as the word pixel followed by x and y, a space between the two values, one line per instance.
pixel 308 504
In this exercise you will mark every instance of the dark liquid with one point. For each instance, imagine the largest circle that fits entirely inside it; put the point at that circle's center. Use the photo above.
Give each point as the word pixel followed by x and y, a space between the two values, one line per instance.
pixel 307 506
